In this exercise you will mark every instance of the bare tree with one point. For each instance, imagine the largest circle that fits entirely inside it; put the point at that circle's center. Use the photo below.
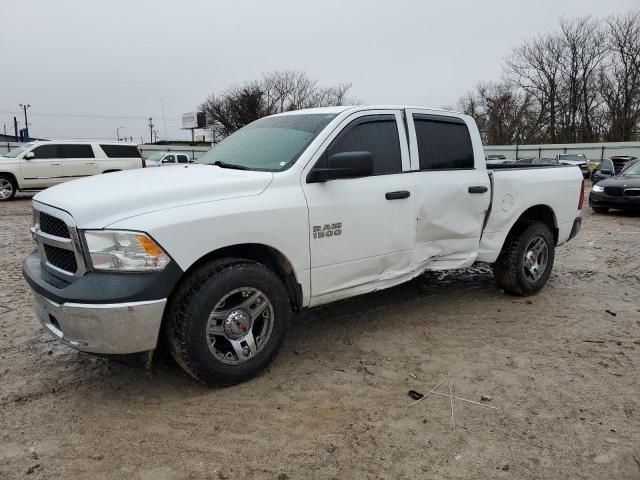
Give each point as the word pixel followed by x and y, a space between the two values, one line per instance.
pixel 619 80
pixel 578 84
pixel 276 92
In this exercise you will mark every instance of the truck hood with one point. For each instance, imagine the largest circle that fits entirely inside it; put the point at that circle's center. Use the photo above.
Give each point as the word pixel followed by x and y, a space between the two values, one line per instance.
pixel 99 201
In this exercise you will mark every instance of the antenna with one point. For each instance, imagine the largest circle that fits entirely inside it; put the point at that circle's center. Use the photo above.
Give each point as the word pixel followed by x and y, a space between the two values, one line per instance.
pixel 163 120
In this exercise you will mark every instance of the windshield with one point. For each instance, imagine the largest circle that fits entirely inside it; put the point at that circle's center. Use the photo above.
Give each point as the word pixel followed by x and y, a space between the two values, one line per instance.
pixel 18 150
pixel 156 157
pixel 572 157
pixel 633 169
pixel 269 144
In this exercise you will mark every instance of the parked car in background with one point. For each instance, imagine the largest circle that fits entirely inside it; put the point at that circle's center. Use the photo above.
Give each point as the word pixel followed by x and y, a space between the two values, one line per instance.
pixel 620 191
pixel 620 162
pixel 610 166
pixel 538 161
pixel 577 159
pixel 160 159
pixel 495 157
pixel 42 164
pixel 292 211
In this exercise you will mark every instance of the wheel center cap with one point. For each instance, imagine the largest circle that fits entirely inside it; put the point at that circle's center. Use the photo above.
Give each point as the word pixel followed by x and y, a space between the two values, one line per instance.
pixel 237 324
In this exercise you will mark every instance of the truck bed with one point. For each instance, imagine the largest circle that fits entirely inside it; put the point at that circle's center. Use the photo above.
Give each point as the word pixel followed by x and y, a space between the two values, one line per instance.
pixel 514 188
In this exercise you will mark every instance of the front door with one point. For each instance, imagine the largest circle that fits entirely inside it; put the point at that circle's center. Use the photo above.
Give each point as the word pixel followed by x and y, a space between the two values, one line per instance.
pixel 361 229
pixel 44 169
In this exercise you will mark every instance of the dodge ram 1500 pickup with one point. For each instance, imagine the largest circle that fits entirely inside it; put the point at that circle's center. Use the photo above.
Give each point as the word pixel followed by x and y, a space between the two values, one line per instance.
pixel 292 211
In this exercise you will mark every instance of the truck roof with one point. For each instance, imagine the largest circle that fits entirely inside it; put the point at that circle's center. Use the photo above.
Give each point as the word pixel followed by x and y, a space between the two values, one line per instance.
pixel 340 109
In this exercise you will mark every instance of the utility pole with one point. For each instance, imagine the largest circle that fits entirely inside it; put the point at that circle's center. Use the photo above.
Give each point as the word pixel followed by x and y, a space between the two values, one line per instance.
pixel 15 127
pixel 151 128
pixel 118 133
pixel 26 123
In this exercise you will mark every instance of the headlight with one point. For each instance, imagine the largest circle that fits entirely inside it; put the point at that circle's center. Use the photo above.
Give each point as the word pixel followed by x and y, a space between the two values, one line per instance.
pixel 597 188
pixel 124 251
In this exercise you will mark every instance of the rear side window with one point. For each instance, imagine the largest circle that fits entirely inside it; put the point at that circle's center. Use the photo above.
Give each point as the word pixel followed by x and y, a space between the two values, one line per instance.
pixel 45 151
pixel 376 134
pixel 606 165
pixel 121 151
pixel 183 159
pixel 75 151
pixel 443 143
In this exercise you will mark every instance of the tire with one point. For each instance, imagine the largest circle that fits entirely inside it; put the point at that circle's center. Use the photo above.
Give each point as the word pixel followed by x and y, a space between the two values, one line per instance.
pixel 8 187
pixel 600 209
pixel 213 335
pixel 515 271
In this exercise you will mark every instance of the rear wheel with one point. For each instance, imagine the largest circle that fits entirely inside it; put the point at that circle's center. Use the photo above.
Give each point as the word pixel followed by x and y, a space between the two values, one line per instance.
pixel 228 321
pixel 600 209
pixel 8 187
pixel 526 260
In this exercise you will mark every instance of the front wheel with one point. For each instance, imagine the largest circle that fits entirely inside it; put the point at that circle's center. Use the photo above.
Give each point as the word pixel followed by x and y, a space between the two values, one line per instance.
pixel 227 321
pixel 526 260
pixel 8 188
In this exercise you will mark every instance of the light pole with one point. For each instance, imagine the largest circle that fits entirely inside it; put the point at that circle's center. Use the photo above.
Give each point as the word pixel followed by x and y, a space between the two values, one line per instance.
pixel 118 133
pixel 26 123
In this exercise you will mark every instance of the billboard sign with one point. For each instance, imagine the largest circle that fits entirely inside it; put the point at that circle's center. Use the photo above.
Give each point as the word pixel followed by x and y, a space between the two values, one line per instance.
pixel 193 120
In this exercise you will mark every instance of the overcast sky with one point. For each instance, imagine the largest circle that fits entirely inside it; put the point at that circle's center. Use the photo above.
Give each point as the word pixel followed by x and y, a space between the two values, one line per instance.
pixel 88 67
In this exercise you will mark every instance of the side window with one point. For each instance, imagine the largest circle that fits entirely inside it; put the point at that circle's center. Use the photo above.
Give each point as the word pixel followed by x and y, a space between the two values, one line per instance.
pixel 443 143
pixel 606 165
pixel 46 151
pixel 183 159
pixel 75 151
pixel 169 159
pixel 376 134
pixel 120 151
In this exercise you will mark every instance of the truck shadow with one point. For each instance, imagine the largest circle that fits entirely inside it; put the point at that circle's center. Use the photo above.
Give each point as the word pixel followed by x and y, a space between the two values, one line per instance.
pixel 313 329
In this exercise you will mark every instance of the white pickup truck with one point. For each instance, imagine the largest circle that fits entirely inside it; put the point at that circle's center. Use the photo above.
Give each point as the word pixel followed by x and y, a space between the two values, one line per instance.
pixel 293 211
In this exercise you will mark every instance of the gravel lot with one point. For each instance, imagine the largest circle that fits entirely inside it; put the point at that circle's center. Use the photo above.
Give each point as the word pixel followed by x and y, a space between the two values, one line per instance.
pixel 562 371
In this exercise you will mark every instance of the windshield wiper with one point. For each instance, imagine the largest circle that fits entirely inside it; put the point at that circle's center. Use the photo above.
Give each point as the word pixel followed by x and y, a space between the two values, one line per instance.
pixel 221 164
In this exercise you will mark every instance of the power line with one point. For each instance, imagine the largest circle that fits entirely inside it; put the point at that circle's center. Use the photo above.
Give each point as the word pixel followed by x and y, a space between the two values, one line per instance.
pixel 88 115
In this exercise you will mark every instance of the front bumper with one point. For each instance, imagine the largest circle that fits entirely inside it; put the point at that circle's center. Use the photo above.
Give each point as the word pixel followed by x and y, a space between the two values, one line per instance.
pixel 117 328
pixel 102 312
pixel 602 200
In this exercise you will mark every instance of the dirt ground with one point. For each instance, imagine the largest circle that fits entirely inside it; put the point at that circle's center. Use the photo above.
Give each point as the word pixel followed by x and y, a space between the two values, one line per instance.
pixel 561 368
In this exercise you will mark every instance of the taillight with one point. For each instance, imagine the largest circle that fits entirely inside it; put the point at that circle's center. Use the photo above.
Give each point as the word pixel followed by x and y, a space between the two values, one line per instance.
pixel 581 201
pixel 144 163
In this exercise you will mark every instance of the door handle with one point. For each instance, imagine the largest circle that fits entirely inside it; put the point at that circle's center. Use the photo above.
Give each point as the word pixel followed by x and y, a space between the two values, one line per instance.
pixel 89 163
pixel 478 189
pixel 57 163
pixel 397 195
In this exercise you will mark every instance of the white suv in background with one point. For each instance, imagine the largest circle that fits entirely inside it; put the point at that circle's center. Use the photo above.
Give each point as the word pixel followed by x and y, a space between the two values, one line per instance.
pixel 38 165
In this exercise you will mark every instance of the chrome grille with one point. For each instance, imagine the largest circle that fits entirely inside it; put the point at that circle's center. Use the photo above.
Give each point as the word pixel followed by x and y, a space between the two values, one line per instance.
pixel 55 234
pixel 53 226
pixel 61 258
pixel 614 191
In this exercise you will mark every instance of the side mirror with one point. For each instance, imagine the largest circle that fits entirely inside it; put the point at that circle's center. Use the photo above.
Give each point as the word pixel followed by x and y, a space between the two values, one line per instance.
pixel 343 165
pixel 29 155
pixel 605 172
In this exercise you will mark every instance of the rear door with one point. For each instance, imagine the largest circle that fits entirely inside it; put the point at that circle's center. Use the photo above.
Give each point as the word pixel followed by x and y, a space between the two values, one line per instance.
pixel 362 229
pixel 78 160
pixel 451 188
pixel 44 169
pixel 182 158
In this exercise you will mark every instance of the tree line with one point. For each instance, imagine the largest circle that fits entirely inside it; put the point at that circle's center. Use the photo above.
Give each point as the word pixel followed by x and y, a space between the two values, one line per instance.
pixel 275 92
pixel 580 83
